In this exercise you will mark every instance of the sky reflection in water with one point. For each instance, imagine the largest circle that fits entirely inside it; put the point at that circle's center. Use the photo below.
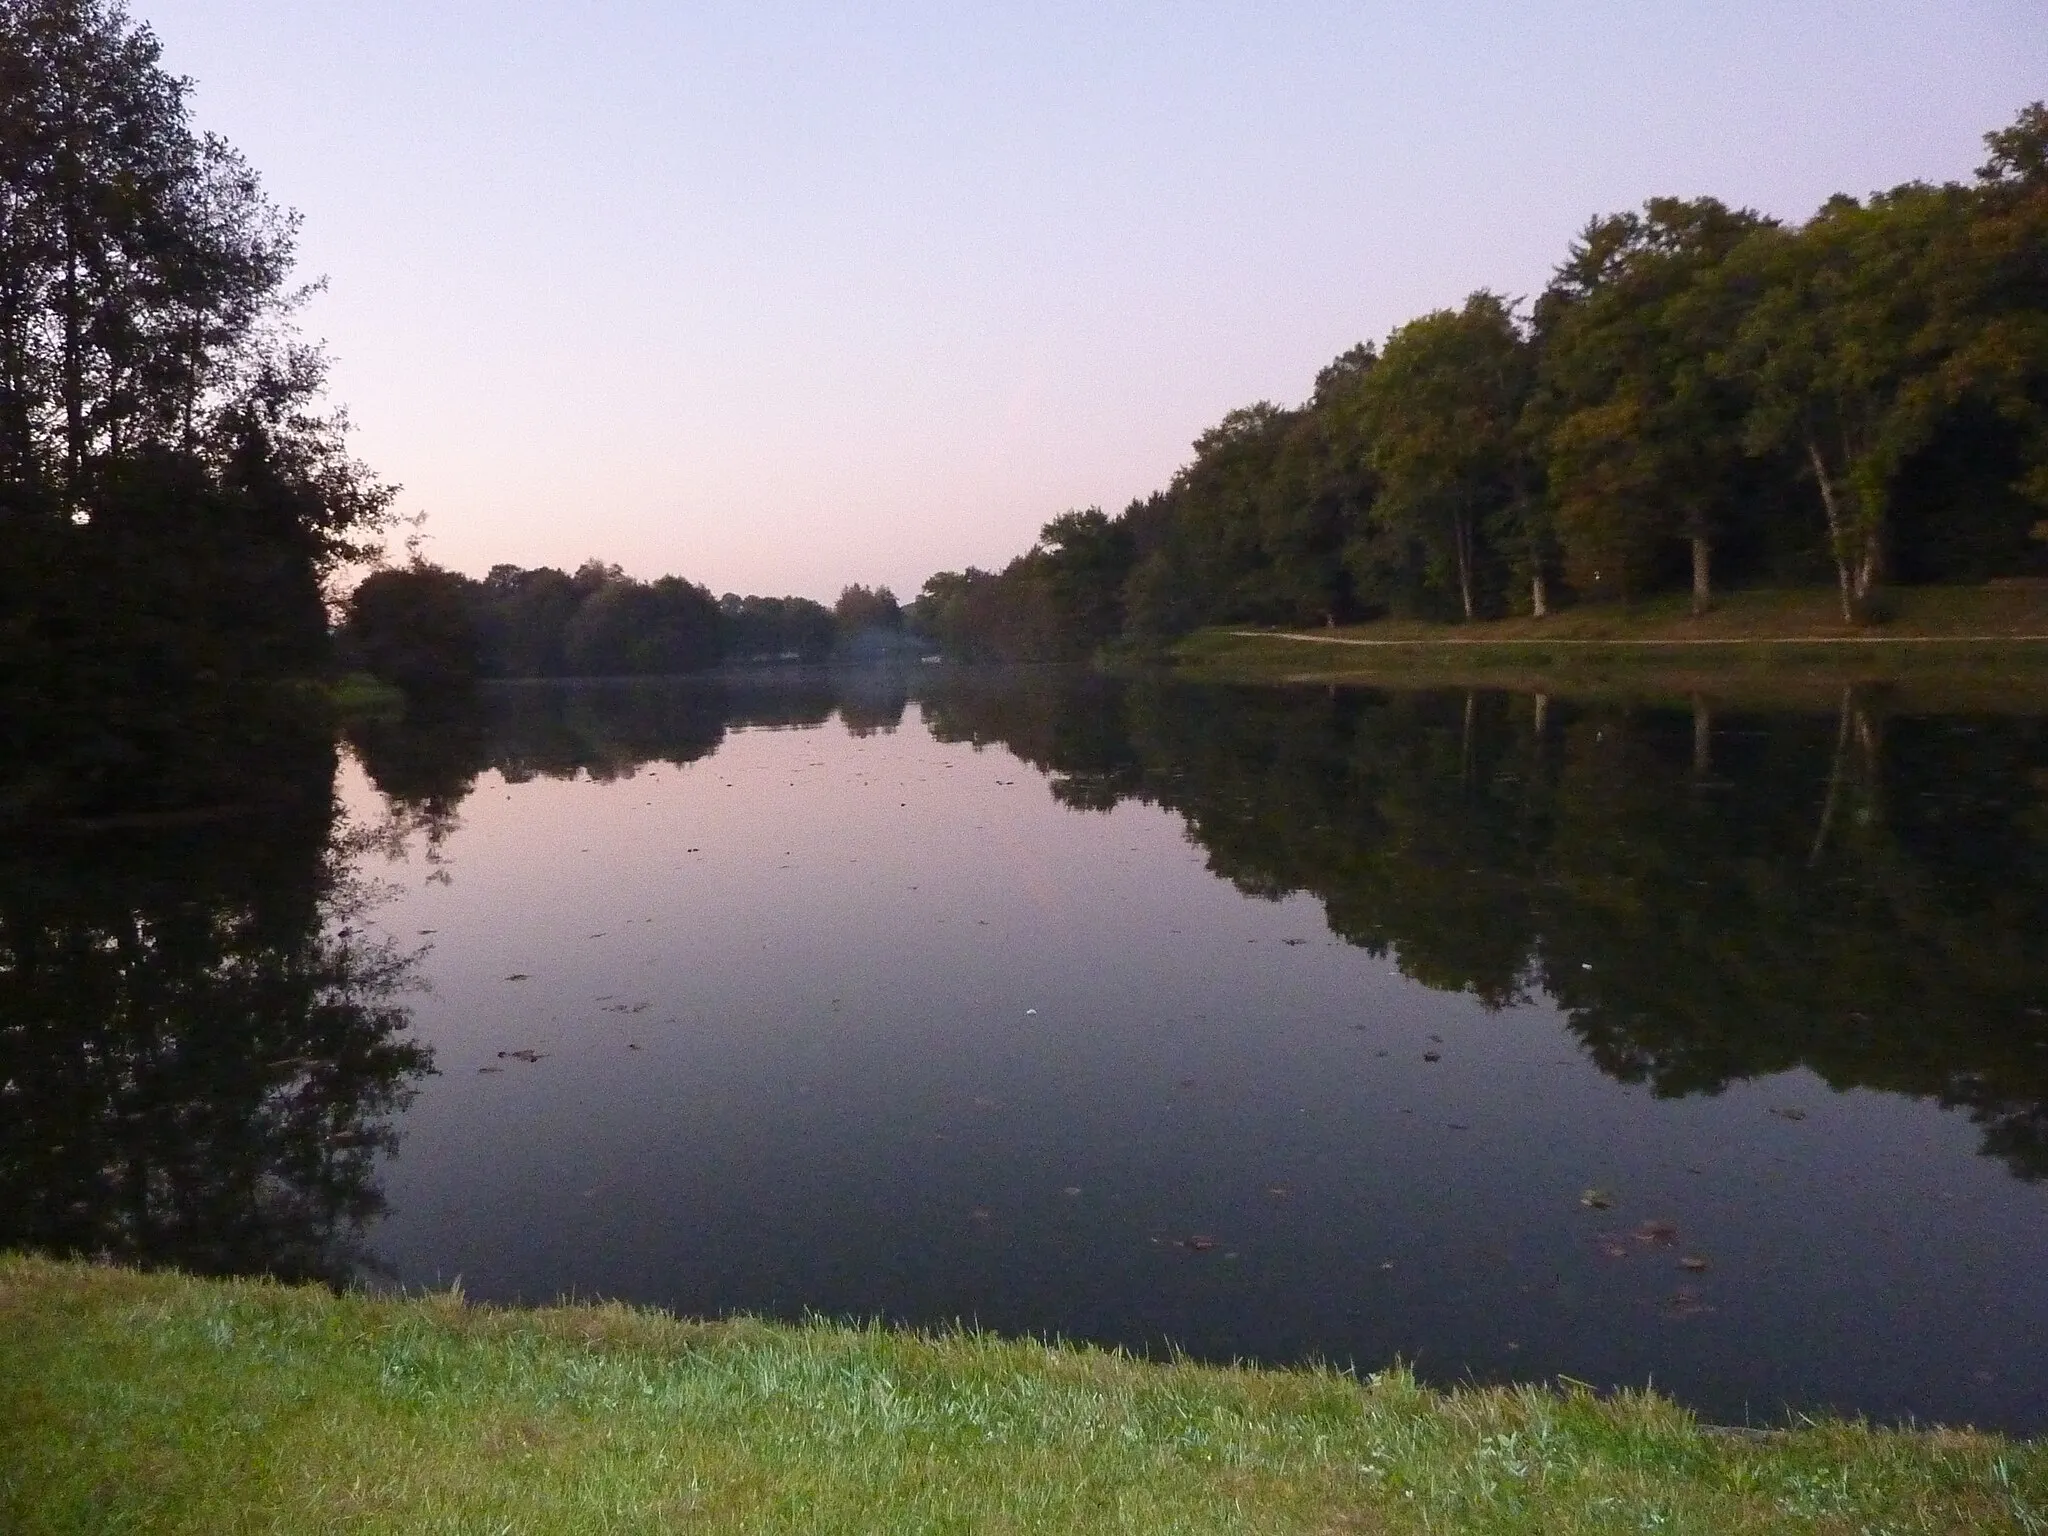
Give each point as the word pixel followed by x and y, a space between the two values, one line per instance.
pixel 870 1020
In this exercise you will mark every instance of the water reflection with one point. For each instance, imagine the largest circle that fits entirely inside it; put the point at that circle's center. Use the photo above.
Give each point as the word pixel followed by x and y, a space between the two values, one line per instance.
pixel 1709 894
pixel 201 1052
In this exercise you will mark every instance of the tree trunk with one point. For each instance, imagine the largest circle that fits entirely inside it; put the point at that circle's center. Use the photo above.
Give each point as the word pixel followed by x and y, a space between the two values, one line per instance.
pixel 74 375
pixel 1539 595
pixel 1835 533
pixel 1702 575
pixel 1462 539
pixel 1542 715
pixel 1870 567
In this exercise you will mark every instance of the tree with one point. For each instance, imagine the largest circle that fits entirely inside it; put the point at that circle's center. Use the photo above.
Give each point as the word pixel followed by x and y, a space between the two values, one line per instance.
pixel 868 620
pixel 1867 328
pixel 414 628
pixel 630 628
pixel 1441 409
pixel 1644 440
pixel 173 495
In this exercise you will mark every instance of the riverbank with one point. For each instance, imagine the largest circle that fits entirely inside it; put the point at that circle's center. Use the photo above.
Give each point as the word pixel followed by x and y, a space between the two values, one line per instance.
pixel 161 1403
pixel 1969 646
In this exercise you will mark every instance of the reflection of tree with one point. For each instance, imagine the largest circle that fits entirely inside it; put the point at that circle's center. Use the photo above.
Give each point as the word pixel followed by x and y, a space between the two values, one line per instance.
pixel 1708 895
pixel 199 1054
pixel 426 763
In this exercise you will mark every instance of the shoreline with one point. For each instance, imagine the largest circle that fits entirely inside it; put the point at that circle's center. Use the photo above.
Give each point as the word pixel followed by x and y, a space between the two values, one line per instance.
pixel 159 1401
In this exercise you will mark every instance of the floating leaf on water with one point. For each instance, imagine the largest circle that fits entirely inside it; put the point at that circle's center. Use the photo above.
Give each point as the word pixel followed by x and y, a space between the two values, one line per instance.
pixel 1685 1302
pixel 1693 1262
pixel 1432 1055
pixel 1071 1190
pixel 1790 1112
pixel 490 1069
pixel 523 1055
pixel 517 976
pixel 1661 1233
pixel 1279 1191
pixel 632 1045
pixel 1290 943
pixel 1612 1247
pixel 1596 1199
pixel 1198 1243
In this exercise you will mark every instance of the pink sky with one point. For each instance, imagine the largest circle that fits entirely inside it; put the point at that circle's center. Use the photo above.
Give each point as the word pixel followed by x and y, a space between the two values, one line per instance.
pixel 779 297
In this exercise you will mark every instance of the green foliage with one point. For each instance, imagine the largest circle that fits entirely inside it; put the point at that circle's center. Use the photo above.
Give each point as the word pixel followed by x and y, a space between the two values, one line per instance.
pixel 172 494
pixel 766 629
pixel 1644 439
pixel 412 627
pixel 1689 380
pixel 1441 412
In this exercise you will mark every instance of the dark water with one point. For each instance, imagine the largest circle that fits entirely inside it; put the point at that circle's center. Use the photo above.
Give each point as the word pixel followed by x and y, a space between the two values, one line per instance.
pixel 1512 1037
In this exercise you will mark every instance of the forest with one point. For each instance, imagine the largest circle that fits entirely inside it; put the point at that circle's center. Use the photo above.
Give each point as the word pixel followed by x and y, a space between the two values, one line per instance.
pixel 430 630
pixel 1701 398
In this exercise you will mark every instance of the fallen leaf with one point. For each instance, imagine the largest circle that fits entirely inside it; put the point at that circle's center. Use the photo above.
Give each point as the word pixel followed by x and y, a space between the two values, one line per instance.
pixel 1432 1055
pixel 1693 1262
pixel 517 976
pixel 1596 1200
pixel 1662 1233
pixel 1198 1244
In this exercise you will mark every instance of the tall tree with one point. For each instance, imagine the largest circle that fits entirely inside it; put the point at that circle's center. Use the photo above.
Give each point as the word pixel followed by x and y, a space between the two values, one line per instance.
pixel 1865 330
pixel 173 494
pixel 1442 410
pixel 1644 440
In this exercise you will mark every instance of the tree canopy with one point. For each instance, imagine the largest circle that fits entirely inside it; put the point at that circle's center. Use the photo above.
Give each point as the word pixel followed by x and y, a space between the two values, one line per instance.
pixel 1701 397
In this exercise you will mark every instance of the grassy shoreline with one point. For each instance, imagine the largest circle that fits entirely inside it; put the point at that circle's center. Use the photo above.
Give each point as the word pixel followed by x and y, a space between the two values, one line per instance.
pixel 1982 647
pixel 158 1402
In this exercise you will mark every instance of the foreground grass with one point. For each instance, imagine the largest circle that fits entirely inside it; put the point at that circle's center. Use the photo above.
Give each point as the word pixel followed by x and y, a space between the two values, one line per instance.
pixel 133 1402
pixel 1963 645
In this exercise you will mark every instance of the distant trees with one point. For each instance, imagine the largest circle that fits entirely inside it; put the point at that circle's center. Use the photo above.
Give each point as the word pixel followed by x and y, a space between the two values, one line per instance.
pixel 764 629
pixel 1702 396
pixel 413 627
pixel 430 630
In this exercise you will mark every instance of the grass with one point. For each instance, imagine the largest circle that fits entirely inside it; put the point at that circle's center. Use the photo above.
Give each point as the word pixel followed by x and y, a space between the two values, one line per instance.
pixel 1962 646
pixel 133 1402
pixel 358 693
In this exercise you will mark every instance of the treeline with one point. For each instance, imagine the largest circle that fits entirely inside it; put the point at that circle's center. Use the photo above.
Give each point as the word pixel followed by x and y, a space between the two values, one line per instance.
pixel 426 628
pixel 1701 397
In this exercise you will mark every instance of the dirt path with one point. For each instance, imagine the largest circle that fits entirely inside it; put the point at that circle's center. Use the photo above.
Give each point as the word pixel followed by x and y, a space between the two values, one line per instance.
pixel 1288 634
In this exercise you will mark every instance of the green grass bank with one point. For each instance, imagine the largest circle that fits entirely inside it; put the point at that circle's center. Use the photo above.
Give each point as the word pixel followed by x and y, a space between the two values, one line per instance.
pixel 133 1402
pixel 1970 646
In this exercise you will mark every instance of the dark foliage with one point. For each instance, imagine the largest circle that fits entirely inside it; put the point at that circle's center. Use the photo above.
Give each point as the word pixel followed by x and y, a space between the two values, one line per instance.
pixel 1701 397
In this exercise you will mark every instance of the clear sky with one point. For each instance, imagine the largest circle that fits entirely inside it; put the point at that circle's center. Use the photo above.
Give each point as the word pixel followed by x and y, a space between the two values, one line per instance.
pixel 782 296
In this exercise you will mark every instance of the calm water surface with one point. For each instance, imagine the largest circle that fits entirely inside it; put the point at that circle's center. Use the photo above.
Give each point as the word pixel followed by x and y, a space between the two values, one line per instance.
pixel 1511 1037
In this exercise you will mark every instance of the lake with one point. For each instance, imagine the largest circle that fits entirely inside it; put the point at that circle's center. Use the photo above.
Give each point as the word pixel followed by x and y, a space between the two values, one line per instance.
pixel 1696 1043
